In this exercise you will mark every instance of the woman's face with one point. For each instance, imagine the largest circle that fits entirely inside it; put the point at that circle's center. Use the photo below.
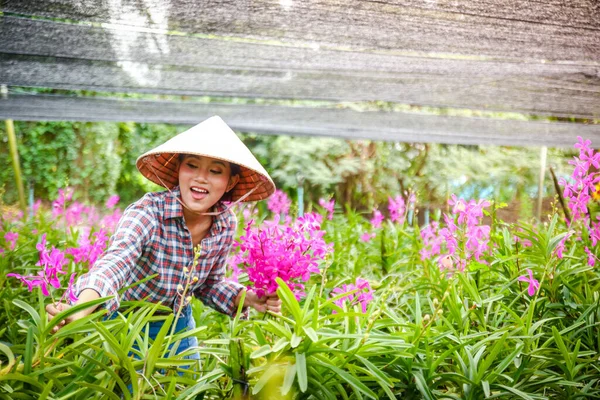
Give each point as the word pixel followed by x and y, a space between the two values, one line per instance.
pixel 203 181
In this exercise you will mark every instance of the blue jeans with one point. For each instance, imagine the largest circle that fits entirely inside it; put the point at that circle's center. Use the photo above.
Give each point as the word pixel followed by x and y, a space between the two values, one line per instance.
pixel 185 322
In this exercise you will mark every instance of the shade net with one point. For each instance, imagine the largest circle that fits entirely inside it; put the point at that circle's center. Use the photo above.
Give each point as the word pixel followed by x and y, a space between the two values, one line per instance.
pixel 526 57
pixel 301 121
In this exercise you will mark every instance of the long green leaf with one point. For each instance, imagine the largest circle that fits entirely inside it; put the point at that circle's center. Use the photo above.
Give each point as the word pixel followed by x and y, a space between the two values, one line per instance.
pixel 30 310
pixel 301 371
pixel 72 310
pixel 11 359
pixel 349 378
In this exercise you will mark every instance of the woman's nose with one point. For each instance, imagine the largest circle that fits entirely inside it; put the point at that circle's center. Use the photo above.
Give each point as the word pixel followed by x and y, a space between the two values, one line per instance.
pixel 202 174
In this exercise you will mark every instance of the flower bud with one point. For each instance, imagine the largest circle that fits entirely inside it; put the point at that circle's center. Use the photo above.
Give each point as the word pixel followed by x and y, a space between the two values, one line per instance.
pixel 426 317
pixel 188 299
pixel 195 279
pixel 439 312
pixel 180 288
pixel 185 270
pixel 436 303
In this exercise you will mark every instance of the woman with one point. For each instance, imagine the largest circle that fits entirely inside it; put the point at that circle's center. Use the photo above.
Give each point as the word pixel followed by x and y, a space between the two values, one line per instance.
pixel 201 168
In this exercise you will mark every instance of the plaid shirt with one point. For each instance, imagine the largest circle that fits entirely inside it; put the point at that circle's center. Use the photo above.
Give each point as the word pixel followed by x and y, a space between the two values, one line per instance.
pixel 152 238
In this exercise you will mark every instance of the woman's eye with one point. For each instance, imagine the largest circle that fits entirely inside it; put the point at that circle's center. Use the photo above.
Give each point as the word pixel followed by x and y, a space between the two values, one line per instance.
pixel 214 171
pixel 191 165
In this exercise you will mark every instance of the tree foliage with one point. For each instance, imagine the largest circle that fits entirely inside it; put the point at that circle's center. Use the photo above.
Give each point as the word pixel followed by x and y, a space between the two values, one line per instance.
pixel 98 159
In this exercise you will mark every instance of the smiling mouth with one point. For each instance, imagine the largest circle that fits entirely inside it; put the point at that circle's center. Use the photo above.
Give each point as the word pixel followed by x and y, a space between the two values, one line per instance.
pixel 199 191
pixel 198 194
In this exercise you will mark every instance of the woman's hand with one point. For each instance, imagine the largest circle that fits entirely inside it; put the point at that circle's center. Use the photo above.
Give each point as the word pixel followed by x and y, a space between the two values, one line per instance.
pixel 54 309
pixel 84 296
pixel 263 304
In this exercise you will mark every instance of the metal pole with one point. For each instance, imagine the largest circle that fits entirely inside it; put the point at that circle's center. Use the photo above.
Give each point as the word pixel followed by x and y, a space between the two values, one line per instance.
pixel 543 153
pixel 14 154
pixel 300 194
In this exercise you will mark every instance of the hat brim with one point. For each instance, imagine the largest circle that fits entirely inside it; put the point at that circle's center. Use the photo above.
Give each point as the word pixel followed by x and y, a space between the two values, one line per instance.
pixel 211 138
pixel 163 169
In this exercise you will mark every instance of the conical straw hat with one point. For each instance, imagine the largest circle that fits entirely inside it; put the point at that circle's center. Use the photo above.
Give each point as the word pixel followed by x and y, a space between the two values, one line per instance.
pixel 211 138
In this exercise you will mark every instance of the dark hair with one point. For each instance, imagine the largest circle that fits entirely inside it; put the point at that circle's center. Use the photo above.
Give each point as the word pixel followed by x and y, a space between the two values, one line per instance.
pixel 235 170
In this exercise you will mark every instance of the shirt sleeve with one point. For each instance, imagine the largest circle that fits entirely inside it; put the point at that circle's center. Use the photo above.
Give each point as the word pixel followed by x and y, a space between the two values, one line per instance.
pixel 126 246
pixel 216 292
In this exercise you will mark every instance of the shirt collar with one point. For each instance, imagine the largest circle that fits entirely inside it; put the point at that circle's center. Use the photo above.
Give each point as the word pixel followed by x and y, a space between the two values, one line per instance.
pixel 174 209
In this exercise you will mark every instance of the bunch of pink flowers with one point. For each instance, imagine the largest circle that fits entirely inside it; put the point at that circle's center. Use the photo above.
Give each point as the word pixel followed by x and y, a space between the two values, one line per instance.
pixel 578 191
pixel 583 181
pixel 51 263
pixel 362 294
pixel 290 250
pixel 464 236
pixel 279 203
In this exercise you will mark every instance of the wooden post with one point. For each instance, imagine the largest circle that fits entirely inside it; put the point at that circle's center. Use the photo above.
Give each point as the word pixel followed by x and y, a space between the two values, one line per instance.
pixel 237 362
pixel 14 155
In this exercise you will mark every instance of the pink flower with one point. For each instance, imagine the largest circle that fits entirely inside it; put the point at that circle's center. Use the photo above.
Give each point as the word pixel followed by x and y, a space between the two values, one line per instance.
pixel 36 206
pixel 112 201
pixel 279 203
pixel 560 247
pixel 397 208
pixel 33 281
pixel 12 216
pixel 366 237
pixel 534 285
pixel 329 206
pixel 362 296
pixel 70 293
pixel 377 219
pixel 59 204
pixel 591 257
pixel 11 238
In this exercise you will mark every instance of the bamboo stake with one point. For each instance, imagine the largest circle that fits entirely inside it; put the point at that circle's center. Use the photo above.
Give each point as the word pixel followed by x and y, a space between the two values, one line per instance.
pixel 238 369
pixel 14 155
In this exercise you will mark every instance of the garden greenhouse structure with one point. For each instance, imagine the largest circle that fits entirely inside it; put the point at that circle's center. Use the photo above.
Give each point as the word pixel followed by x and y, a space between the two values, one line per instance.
pixel 375 302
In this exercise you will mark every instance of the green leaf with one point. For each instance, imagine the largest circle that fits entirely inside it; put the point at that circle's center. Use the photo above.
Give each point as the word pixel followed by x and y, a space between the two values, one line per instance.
pixel 157 346
pixel 264 379
pixel 47 389
pixel 260 336
pixel 288 380
pixel 422 385
pixel 295 341
pixel 301 371
pixel 30 310
pixel 489 360
pixel 72 310
pixel 11 359
pixel 289 301
pixel 261 352
pixel 29 352
pixel 310 332
pixel 349 378
pixel 517 392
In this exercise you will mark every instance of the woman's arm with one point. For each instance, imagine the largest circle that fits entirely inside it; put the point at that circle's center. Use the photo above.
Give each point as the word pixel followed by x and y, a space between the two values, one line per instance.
pixel 111 270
